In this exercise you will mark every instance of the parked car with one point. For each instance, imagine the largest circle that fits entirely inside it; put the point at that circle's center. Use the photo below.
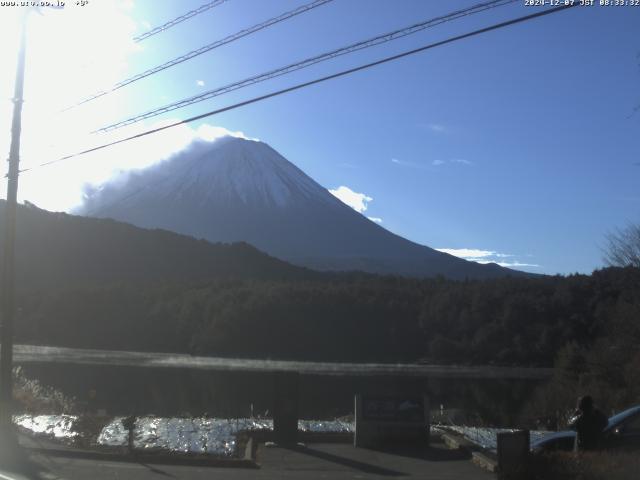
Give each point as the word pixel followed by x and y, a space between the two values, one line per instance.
pixel 621 432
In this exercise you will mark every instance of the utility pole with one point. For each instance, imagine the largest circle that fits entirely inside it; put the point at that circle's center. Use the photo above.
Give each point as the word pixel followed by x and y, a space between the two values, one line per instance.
pixel 7 300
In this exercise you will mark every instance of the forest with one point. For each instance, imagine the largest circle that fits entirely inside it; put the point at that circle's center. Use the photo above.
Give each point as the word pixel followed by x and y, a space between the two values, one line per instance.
pixel 92 283
pixel 585 325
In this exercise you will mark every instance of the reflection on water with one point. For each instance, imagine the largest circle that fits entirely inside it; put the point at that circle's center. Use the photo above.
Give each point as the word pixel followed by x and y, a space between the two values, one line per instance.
pixel 186 435
pixel 215 436
pixel 57 426
pixel 488 437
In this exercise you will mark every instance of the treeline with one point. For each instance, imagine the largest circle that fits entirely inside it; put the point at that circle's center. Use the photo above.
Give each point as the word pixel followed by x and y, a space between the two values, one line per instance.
pixel 605 365
pixel 526 321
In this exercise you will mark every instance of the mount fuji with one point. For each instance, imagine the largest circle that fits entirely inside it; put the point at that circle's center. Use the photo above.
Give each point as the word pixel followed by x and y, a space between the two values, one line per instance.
pixel 235 189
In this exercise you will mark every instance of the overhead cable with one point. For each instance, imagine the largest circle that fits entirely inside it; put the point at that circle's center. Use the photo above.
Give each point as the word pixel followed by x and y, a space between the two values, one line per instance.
pixel 387 37
pixel 177 20
pixel 309 83
pixel 194 53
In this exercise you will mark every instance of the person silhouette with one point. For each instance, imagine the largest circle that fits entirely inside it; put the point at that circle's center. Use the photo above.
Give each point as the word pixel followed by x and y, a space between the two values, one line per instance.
pixel 588 422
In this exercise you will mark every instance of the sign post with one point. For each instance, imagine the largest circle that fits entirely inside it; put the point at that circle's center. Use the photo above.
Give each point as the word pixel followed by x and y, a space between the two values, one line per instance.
pixel 391 419
pixel 285 408
pixel 513 453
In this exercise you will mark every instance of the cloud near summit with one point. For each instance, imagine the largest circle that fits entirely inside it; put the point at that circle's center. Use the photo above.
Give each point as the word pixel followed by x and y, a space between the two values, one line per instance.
pixel 89 172
pixel 358 201
pixel 487 256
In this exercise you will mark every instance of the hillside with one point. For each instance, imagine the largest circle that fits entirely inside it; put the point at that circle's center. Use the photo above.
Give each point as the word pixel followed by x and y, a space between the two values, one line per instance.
pixel 56 250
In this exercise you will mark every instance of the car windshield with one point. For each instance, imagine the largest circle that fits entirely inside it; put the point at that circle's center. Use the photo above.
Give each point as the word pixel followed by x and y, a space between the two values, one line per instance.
pixel 622 416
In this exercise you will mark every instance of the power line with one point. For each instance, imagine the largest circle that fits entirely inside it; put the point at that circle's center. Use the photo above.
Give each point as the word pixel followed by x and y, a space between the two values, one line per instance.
pixel 177 20
pixel 311 82
pixel 387 37
pixel 194 53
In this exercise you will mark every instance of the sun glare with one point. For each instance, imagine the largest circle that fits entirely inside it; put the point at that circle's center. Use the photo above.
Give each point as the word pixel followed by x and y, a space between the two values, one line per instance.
pixel 71 53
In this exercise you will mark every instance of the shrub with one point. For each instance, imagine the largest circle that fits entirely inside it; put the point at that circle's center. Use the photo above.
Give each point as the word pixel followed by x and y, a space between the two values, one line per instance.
pixel 585 466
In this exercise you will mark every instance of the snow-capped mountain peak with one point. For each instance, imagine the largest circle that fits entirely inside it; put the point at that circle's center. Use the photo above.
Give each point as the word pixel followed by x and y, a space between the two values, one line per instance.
pixel 241 170
pixel 235 189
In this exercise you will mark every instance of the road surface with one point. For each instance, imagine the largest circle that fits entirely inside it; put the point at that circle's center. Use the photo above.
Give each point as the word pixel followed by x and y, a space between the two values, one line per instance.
pixel 316 461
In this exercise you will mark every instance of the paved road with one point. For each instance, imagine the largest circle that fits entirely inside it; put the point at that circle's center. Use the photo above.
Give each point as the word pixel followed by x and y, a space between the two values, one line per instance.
pixel 317 461
pixel 24 354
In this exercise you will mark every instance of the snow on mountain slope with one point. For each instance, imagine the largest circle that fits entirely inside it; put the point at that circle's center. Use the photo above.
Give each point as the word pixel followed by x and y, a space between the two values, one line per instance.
pixel 242 190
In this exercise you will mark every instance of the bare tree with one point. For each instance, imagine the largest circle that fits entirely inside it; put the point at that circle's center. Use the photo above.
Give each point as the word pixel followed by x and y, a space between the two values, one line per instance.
pixel 623 247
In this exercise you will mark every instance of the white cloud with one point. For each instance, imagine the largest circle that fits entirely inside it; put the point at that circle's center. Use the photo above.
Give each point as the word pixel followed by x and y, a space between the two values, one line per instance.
pixel 200 83
pixel 486 256
pixel 375 219
pixel 405 163
pixel 437 128
pixel 462 161
pixel 467 252
pixel 357 201
pixel 435 163
pixel 515 264
pixel 210 133
pixel 74 176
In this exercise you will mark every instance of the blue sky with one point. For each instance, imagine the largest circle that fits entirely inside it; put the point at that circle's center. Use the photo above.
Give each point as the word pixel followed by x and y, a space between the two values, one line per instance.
pixel 522 141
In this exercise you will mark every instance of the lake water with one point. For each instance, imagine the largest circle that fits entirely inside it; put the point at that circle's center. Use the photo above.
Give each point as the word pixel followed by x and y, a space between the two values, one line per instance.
pixel 221 394
pixel 214 436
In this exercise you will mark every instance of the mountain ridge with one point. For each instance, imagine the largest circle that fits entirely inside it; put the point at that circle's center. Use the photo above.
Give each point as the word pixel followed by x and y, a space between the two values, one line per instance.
pixel 56 250
pixel 243 190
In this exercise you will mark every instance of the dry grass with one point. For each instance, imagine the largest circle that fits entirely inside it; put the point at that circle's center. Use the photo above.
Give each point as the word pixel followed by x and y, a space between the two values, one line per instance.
pixel 32 397
pixel 586 466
